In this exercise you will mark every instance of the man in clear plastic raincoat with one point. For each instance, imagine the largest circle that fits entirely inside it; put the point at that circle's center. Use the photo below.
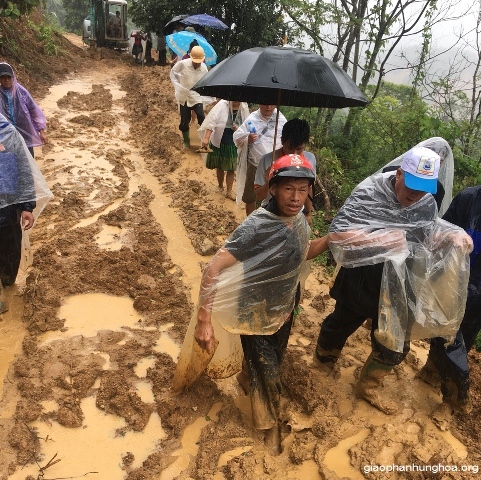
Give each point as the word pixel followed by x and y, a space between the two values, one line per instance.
pixel 23 194
pixel 251 286
pixel 402 266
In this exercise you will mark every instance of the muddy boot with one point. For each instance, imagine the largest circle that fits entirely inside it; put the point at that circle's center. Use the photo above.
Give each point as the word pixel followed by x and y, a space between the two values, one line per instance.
pixel 272 440
pixel 326 362
pixel 442 416
pixel 3 305
pixel 243 378
pixel 327 356
pixel 430 374
pixel 457 398
pixel 370 382
pixel 186 136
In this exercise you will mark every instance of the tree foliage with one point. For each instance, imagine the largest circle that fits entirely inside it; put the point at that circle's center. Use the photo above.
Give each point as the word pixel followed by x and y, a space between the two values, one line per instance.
pixel 15 8
pixel 75 12
pixel 257 23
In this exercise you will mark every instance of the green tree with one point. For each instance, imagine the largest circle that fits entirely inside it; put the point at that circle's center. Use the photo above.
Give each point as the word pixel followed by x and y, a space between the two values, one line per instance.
pixel 56 12
pixel 257 23
pixel 15 8
pixel 383 130
pixel 75 12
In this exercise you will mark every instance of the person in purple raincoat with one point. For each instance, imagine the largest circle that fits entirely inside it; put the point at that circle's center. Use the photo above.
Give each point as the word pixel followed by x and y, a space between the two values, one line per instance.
pixel 19 108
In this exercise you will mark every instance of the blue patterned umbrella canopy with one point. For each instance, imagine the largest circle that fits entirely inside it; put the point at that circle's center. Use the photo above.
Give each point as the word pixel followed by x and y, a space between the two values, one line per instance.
pixel 180 42
pixel 205 20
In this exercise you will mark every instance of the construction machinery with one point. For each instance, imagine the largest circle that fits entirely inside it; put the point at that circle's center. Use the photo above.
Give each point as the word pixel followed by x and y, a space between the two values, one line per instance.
pixel 108 24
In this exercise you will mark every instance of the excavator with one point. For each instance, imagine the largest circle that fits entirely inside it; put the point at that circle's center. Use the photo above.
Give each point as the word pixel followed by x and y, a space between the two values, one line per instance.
pixel 106 25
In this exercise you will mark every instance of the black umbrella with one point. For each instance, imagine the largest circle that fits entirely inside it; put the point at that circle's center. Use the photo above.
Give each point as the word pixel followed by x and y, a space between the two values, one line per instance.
pixel 281 76
pixel 171 24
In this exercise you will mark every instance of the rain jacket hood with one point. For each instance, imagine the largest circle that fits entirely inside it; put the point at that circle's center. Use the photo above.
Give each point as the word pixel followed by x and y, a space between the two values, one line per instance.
pixel 18 106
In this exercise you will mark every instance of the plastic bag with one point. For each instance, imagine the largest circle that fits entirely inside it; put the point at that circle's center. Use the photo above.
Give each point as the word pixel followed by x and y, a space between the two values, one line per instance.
pixel 426 264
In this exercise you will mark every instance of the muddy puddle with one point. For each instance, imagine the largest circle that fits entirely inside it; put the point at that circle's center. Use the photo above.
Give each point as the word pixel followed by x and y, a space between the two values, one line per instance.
pixel 87 314
pixel 87 358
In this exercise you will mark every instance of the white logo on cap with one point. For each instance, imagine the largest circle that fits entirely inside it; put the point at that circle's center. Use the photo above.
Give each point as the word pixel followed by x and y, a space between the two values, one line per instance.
pixel 295 159
pixel 426 166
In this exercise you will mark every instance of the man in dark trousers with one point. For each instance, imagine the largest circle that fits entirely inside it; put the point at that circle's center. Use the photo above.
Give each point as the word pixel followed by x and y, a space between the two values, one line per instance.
pixel 449 363
pixel 384 238
pixel 184 75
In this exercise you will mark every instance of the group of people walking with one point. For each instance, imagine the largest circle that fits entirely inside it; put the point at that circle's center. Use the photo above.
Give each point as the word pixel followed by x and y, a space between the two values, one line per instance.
pixel 411 273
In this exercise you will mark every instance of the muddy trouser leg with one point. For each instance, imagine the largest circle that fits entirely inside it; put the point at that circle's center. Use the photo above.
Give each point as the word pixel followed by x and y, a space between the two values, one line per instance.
pixel 335 330
pixel 471 324
pixel 10 253
pixel 384 355
pixel 452 363
pixel 199 111
pixel 263 355
pixel 184 117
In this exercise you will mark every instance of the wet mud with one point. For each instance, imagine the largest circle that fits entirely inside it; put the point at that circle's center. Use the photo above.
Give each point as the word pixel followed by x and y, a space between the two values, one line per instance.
pixel 97 321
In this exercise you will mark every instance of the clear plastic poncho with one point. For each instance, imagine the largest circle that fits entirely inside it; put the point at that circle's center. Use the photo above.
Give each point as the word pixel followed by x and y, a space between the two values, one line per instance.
pixel 216 120
pixel 255 295
pixel 446 172
pixel 20 178
pixel 18 106
pixel 183 78
pixel 425 275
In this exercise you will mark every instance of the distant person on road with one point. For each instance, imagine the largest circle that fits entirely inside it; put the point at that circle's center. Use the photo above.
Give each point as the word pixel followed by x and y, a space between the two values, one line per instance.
pixel 191 46
pixel 216 132
pixel 148 48
pixel 22 188
pixel 253 140
pixel 137 48
pixel 161 49
pixel 19 108
pixel 184 75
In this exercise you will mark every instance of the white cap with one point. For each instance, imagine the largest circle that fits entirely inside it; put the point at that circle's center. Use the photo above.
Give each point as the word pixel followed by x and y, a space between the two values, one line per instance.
pixel 421 169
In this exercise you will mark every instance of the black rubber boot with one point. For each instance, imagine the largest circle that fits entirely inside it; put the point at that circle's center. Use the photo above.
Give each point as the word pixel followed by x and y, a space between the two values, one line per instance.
pixel 186 136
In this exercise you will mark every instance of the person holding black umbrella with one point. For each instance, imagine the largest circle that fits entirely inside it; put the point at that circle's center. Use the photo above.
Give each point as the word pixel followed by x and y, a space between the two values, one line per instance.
pixel 253 139
pixel 184 75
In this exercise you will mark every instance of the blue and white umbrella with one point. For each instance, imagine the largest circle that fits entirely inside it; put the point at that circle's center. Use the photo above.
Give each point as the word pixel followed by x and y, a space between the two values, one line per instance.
pixel 180 42
pixel 205 20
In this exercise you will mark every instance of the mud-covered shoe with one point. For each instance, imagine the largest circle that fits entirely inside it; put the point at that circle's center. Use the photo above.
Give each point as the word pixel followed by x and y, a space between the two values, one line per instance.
pixel 327 356
pixel 369 386
pixel 230 195
pixel 442 416
pixel 429 374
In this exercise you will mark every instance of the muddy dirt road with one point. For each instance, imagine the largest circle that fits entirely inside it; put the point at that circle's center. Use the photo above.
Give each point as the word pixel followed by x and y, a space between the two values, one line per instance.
pixel 89 345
